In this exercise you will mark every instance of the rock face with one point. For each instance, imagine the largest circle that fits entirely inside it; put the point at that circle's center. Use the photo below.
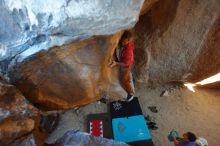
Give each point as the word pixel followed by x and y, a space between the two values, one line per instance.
pixel 71 75
pixel 178 40
pixel 29 26
pixel 25 141
pixel 208 61
pixel 147 5
pixel 171 40
pixel 57 53
pixel 17 116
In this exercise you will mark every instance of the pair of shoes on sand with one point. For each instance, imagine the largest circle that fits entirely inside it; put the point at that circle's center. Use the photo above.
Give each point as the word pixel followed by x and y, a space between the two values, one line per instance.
pixel 153 109
pixel 151 125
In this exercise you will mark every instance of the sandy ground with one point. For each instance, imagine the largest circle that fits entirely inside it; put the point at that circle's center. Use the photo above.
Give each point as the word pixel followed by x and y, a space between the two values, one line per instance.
pixel 181 110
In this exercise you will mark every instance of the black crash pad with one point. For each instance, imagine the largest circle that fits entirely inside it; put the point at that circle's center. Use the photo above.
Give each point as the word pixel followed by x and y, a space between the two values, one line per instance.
pixel 120 109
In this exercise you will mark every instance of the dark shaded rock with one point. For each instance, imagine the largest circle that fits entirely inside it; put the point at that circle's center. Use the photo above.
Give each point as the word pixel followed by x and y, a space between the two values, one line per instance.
pixel 71 75
pixel 25 141
pixel 147 5
pixel 49 122
pixel 177 41
pixel 36 138
pixel 17 116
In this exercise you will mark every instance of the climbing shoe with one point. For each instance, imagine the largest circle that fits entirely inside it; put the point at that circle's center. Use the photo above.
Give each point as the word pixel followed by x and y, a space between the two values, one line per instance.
pixel 130 97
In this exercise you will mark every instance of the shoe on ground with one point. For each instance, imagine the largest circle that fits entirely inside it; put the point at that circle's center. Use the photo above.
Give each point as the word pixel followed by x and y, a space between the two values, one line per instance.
pixel 152 127
pixel 151 123
pixel 130 97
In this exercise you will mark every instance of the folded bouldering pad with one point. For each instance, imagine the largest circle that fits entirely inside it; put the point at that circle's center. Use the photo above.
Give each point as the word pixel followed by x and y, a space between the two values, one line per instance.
pixel 130 129
pixel 99 125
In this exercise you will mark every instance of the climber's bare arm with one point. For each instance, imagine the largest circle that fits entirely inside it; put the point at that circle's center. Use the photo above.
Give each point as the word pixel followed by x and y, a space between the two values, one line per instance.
pixel 115 63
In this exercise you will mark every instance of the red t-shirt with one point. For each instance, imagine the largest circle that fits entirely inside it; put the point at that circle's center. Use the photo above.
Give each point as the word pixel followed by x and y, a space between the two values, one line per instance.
pixel 127 56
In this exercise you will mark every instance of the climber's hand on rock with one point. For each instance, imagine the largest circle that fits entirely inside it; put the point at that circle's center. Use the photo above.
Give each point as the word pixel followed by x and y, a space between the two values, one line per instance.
pixel 112 64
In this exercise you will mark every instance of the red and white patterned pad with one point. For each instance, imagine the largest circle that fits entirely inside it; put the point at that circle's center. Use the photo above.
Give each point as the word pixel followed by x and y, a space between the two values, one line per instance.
pixel 96 128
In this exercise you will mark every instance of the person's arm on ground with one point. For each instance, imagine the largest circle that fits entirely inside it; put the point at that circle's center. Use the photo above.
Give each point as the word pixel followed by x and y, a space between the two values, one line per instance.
pixel 175 142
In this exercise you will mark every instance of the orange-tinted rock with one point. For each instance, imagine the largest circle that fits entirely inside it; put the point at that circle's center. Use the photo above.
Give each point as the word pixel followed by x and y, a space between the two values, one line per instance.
pixel 17 116
pixel 177 40
pixel 147 5
pixel 71 75
pixel 208 61
pixel 215 85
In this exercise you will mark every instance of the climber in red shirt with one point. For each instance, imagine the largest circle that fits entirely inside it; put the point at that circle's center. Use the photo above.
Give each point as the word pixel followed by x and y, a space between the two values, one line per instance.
pixel 125 59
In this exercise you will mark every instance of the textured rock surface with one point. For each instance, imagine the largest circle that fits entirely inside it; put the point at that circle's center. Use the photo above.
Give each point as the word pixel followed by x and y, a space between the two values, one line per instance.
pixel 170 40
pixel 147 5
pixel 28 26
pixel 25 141
pixel 178 40
pixel 17 116
pixel 207 62
pixel 71 75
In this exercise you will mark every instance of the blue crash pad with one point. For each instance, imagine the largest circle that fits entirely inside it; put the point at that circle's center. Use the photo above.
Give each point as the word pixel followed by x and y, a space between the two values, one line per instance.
pixel 130 129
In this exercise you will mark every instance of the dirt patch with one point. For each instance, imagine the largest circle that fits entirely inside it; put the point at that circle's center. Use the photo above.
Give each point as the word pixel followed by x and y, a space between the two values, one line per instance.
pixel 181 110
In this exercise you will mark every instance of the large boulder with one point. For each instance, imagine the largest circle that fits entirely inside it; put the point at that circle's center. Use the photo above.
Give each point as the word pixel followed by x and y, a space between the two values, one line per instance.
pixel 171 37
pixel 29 26
pixel 178 40
pixel 17 117
pixel 69 76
